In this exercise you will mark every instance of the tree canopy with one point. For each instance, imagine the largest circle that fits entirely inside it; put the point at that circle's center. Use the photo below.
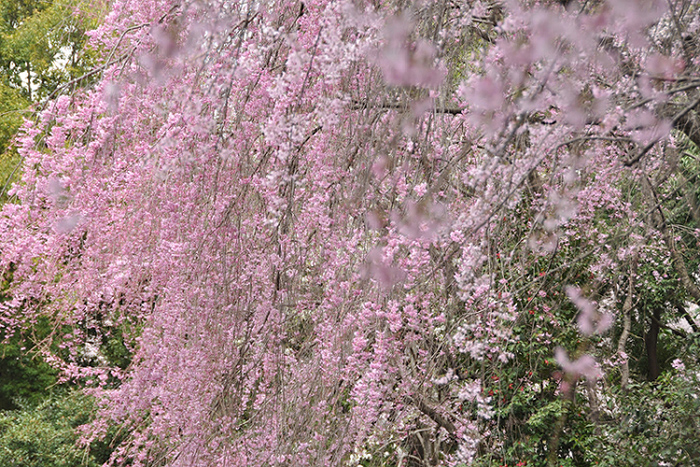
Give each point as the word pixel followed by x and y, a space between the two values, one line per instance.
pixel 42 40
pixel 372 233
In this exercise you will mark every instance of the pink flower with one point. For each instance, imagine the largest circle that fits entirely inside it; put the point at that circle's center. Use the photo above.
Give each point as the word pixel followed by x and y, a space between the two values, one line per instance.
pixel 589 320
pixel 584 366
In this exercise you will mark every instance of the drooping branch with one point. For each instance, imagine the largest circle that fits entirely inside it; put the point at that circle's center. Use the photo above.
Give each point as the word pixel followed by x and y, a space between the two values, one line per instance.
pixel 359 105
pixel 689 319
pixel 677 259
pixel 684 120
pixel 434 415
pixel 661 325
pixel 679 265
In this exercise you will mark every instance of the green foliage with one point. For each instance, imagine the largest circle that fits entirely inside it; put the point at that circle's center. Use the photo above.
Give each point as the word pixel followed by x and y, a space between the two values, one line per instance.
pixel 45 435
pixel 23 377
pixel 11 103
pixel 656 424
pixel 114 349
pixel 41 49
pixel 44 40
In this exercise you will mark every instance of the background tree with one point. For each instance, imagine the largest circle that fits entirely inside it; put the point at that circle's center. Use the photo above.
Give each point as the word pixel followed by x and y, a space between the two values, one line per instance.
pixel 38 421
pixel 42 40
pixel 47 434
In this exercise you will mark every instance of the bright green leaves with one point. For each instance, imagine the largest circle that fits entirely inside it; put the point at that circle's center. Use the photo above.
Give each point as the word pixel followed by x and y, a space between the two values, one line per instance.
pixel 45 435
pixel 41 49
pixel 43 40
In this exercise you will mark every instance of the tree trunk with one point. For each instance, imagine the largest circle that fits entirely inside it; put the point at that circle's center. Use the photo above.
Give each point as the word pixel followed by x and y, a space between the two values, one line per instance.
pixel 626 325
pixel 651 340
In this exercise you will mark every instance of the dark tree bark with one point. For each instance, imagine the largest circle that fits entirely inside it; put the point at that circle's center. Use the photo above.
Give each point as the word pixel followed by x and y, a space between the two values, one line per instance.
pixel 651 340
